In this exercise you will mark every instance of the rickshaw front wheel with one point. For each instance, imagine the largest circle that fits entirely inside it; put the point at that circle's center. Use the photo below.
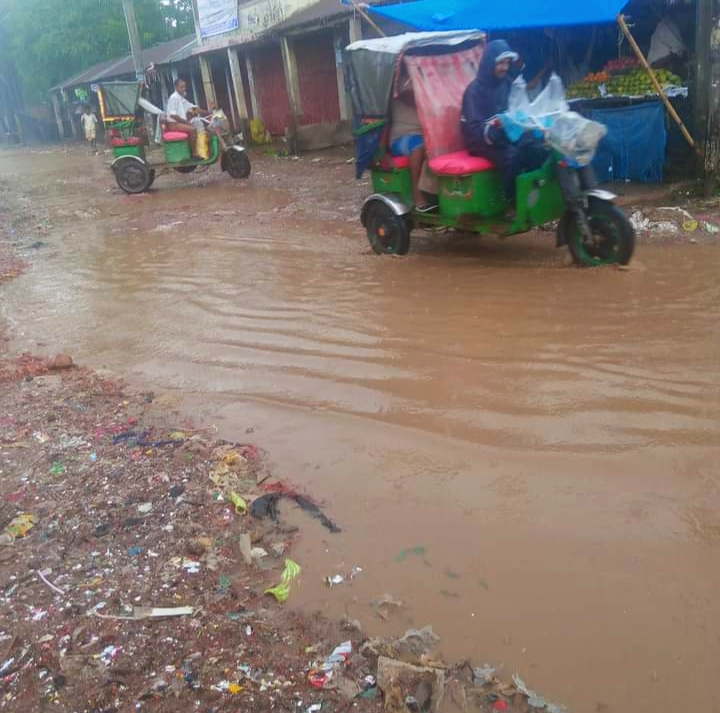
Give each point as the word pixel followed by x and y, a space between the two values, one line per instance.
pixel 237 163
pixel 388 233
pixel 133 175
pixel 612 241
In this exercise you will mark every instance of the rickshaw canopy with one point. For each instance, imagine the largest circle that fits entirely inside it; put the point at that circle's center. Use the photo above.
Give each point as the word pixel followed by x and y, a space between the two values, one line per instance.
pixel 506 15
pixel 371 64
pixel 440 65
pixel 118 100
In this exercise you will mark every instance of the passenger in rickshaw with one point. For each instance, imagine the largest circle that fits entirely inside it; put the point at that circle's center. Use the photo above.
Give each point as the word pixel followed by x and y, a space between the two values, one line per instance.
pixel 485 98
pixel 406 137
pixel 179 109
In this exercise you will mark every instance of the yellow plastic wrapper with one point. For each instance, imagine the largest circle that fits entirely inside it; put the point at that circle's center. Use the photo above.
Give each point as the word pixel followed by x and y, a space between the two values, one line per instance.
pixel 202 145
pixel 282 591
pixel 20 525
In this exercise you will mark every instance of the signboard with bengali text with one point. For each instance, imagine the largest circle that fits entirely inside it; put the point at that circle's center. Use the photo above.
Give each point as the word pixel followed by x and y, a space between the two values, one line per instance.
pixel 216 17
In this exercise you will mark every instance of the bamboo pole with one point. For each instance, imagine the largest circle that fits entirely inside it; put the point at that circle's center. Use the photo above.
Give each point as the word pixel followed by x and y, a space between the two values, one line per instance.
pixel 661 92
pixel 367 18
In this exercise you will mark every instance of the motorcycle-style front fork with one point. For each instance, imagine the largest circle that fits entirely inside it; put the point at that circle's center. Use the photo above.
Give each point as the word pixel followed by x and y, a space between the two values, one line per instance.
pixel 574 183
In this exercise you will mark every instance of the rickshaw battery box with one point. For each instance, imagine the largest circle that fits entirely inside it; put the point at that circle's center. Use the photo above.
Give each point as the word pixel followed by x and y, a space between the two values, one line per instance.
pixel 478 194
pixel 128 146
pixel 177 151
pixel 129 150
pixel 395 181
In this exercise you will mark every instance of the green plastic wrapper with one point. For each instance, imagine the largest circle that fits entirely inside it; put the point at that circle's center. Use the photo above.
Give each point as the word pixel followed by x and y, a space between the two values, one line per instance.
pixel 282 591
pixel 239 503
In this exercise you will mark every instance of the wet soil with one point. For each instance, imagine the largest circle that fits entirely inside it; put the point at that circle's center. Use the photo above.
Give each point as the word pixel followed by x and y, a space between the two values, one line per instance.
pixel 545 436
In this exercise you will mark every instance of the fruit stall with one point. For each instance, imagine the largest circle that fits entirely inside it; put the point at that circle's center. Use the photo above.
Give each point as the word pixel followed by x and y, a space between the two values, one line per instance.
pixel 623 97
pixel 624 77
pixel 645 110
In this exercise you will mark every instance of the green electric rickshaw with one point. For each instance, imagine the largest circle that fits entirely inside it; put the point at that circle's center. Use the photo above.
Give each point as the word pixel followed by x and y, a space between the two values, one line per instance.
pixel 121 109
pixel 468 189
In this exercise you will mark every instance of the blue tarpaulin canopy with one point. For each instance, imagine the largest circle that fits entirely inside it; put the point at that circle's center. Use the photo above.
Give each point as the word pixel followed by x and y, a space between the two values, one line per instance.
pixel 504 15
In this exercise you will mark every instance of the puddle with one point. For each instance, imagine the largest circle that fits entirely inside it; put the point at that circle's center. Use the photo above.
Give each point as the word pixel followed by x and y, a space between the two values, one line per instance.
pixel 547 434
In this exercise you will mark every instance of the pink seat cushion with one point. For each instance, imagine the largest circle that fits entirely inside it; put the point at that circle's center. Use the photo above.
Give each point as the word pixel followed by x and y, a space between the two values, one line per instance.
pixel 175 136
pixel 401 161
pixel 459 164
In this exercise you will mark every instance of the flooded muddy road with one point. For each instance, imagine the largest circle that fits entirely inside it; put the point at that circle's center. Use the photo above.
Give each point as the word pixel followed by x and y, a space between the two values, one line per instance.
pixel 545 437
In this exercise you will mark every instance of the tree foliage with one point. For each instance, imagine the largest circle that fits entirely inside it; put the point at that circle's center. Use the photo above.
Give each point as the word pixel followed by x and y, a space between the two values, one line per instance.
pixel 50 40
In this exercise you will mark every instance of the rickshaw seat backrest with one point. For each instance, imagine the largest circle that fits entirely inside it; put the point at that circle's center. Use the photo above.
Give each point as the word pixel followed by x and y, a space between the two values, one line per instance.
pixel 439 82
pixel 460 163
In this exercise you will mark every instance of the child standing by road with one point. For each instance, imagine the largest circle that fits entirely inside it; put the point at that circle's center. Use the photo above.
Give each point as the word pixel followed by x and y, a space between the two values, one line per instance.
pixel 89 124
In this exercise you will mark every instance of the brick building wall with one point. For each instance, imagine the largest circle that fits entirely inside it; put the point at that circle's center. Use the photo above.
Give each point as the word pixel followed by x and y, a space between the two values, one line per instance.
pixel 318 78
pixel 270 87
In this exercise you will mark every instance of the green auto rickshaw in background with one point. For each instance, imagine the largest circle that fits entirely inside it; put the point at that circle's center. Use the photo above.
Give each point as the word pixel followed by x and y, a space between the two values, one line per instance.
pixel 121 109
pixel 468 189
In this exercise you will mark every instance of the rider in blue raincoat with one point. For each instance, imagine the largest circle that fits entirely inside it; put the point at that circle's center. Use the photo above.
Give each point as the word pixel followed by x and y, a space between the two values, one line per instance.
pixel 487 97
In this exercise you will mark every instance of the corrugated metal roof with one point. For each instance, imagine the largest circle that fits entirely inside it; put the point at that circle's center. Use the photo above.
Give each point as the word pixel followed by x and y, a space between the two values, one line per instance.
pixel 323 10
pixel 319 13
pixel 119 67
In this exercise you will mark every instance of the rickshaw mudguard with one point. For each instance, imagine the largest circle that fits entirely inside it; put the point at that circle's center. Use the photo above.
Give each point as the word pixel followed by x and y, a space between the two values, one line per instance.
pixel 113 165
pixel 392 200
pixel 601 194
pixel 234 147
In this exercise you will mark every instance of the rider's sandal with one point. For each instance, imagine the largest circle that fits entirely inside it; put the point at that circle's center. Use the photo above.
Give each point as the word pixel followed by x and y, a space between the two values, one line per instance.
pixel 426 207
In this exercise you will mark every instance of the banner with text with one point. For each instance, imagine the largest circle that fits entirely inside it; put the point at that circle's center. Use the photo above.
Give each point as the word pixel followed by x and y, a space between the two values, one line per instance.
pixel 217 16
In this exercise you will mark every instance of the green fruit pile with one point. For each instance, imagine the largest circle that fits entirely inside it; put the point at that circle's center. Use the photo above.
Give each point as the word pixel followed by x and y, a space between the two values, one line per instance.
pixel 638 83
pixel 583 90
pixel 633 84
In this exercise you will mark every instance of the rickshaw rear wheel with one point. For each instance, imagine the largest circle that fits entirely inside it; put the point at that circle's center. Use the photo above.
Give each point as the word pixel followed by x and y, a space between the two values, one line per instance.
pixel 133 176
pixel 388 233
pixel 612 241
pixel 237 163
pixel 185 169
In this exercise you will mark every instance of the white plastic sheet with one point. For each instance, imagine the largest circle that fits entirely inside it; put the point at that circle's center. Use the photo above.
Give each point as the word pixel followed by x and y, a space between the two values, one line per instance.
pixel 576 137
pixel 568 132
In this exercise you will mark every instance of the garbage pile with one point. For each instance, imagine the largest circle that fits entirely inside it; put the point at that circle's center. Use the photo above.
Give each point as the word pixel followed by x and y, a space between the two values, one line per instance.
pixel 131 567
pixel 672 220
pixel 145 565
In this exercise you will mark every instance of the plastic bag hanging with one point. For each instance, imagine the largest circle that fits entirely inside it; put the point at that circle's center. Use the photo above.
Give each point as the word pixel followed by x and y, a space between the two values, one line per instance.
pixel 576 137
pixel 518 99
pixel 550 102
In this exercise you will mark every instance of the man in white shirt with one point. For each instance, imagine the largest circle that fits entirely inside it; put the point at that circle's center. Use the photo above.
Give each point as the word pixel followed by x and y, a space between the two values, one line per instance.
pixel 178 107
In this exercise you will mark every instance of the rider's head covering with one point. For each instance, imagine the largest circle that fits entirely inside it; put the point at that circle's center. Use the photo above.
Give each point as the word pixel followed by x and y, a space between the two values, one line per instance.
pixel 486 96
pixel 496 51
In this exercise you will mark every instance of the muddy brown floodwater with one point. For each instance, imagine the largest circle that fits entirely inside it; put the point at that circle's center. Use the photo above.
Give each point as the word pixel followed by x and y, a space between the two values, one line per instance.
pixel 549 435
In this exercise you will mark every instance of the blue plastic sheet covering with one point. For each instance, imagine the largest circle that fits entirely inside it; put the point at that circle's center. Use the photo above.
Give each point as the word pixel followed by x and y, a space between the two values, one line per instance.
pixel 634 147
pixel 367 144
pixel 506 15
